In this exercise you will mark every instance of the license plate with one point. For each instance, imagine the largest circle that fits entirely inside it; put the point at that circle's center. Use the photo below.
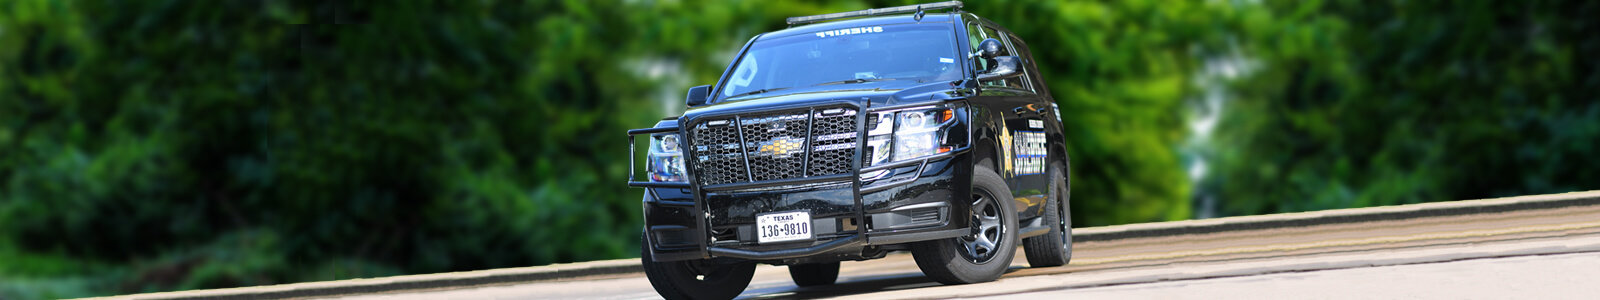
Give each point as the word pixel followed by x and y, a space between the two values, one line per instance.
pixel 783 227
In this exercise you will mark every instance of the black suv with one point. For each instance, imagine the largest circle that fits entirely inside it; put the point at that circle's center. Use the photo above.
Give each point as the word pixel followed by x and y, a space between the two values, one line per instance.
pixel 872 131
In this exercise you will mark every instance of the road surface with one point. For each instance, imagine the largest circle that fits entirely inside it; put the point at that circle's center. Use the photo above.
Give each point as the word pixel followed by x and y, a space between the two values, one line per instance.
pixel 1546 254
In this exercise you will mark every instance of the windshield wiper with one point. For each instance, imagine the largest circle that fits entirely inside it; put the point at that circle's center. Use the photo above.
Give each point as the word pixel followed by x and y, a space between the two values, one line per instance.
pixel 857 80
pixel 754 92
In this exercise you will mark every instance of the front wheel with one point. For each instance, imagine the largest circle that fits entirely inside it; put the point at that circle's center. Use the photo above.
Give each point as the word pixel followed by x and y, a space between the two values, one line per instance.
pixel 984 254
pixel 695 279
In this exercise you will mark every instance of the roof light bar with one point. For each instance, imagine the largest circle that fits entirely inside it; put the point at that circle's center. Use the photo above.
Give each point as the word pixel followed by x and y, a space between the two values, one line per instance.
pixel 875 12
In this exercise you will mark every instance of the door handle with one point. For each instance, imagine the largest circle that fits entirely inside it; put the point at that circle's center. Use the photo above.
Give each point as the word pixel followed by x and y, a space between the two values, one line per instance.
pixel 1020 110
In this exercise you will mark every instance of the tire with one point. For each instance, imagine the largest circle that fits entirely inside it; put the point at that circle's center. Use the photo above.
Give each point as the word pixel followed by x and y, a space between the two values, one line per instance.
pixel 814 274
pixel 1055 248
pixel 994 220
pixel 695 279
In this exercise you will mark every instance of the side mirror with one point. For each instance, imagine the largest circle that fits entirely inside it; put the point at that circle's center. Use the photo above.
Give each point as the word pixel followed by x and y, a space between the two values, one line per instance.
pixel 1003 67
pixel 697 95
pixel 988 48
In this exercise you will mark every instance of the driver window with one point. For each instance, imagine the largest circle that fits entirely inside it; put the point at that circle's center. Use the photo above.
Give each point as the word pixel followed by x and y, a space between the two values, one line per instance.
pixel 1005 50
pixel 975 36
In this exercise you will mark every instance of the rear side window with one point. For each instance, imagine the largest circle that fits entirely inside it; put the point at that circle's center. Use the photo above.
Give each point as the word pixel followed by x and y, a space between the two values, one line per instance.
pixel 1021 50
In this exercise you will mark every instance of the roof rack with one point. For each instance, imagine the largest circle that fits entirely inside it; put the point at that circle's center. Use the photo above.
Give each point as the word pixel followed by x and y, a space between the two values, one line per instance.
pixel 919 8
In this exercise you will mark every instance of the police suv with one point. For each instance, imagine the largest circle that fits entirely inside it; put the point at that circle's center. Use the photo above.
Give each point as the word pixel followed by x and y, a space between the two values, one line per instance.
pixel 850 135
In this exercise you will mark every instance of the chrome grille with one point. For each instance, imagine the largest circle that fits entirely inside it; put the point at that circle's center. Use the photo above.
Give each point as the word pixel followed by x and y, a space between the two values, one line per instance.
pixel 770 146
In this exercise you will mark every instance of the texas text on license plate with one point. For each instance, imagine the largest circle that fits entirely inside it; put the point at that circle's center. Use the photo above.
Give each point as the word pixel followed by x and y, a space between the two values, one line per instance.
pixel 783 227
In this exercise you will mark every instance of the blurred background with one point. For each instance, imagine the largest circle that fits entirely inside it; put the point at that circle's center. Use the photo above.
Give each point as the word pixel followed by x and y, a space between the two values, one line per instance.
pixel 167 145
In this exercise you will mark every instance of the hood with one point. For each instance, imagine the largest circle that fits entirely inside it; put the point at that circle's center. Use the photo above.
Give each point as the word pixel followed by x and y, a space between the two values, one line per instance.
pixel 867 95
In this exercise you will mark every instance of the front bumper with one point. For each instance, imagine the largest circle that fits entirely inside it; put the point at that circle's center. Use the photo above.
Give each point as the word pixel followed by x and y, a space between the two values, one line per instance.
pixel 892 203
pixel 914 201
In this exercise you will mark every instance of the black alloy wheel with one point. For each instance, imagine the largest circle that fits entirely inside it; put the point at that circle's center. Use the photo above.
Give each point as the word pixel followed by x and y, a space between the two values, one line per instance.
pixel 982 244
pixel 986 251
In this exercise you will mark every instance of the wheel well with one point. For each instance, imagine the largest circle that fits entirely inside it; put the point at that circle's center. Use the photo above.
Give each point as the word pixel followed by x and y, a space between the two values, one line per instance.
pixel 986 150
pixel 1061 152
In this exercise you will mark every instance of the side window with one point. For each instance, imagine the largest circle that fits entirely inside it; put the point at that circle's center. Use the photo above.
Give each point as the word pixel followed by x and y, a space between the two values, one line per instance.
pixel 1006 50
pixel 975 36
pixel 989 33
pixel 1021 49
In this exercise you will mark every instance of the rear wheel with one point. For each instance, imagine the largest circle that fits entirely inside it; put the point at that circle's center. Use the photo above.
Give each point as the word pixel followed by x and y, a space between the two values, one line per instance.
pixel 984 254
pixel 1055 248
pixel 695 279
pixel 814 274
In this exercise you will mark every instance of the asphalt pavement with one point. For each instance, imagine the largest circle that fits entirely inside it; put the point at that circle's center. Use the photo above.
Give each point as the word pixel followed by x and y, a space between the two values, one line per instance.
pixel 1540 252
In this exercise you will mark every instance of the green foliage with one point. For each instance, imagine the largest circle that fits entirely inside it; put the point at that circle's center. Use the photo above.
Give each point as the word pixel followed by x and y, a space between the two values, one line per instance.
pixel 164 145
pixel 1365 104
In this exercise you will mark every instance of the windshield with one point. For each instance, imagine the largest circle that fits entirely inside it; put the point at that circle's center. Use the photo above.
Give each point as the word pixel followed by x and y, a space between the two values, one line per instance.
pixel 909 52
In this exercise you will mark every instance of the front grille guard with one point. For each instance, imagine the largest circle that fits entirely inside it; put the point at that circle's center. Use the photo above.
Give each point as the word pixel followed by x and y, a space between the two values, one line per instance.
pixel 757 149
pixel 698 208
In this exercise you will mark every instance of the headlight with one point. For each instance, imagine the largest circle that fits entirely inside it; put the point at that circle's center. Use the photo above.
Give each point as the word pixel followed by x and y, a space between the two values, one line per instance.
pixel 879 149
pixel 666 158
pixel 908 134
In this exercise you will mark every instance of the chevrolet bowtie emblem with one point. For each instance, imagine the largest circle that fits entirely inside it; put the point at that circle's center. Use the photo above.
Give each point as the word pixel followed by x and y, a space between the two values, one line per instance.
pixel 781 147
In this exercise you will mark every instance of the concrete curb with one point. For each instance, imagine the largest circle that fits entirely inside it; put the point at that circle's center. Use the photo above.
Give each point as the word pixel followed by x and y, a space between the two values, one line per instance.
pixel 1337 216
pixel 407 282
pixel 1147 230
